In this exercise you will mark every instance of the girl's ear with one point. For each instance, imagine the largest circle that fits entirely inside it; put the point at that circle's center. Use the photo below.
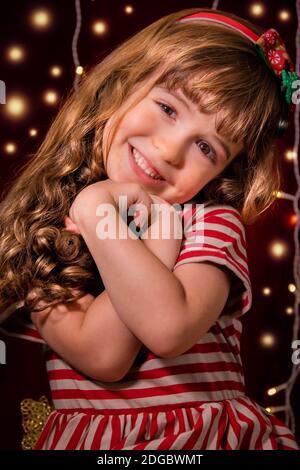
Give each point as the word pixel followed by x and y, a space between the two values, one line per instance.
pixel 70 225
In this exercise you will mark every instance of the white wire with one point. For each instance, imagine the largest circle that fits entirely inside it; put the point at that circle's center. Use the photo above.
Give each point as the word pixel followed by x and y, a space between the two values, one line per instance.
pixel 215 5
pixel 289 414
pixel 75 41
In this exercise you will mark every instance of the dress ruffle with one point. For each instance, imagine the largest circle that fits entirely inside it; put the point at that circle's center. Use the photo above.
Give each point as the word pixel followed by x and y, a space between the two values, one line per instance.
pixel 233 424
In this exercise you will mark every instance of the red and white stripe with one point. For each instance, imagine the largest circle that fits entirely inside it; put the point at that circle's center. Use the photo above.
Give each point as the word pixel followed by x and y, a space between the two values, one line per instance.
pixel 194 401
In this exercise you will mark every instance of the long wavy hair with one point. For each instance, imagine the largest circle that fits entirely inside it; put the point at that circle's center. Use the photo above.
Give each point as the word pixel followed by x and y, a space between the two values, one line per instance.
pixel 215 67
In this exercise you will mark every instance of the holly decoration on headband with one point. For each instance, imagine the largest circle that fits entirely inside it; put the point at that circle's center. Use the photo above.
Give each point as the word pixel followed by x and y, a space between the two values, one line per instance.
pixel 272 50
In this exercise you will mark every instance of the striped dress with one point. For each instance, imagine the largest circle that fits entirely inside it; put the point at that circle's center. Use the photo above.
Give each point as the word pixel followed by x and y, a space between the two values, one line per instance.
pixel 195 401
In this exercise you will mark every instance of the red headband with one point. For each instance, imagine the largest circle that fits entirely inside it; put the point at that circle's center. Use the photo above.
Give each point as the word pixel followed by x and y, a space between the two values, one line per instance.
pixel 269 46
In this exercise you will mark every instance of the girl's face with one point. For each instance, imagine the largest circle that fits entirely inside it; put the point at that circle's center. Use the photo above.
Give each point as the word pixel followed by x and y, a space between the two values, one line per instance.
pixel 165 135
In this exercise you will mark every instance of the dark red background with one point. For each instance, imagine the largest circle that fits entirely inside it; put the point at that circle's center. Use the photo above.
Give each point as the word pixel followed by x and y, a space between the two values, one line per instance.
pixel 24 376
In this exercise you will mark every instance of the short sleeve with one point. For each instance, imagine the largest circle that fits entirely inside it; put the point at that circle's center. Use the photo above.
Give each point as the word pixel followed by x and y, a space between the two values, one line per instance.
pixel 19 326
pixel 215 234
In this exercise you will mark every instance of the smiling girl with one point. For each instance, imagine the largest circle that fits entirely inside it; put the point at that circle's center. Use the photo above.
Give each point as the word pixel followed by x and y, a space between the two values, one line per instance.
pixel 144 333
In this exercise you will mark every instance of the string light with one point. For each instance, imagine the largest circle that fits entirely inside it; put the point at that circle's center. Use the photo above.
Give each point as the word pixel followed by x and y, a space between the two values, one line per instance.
pixel 282 195
pixel 257 9
pixel 56 71
pixel 41 19
pixel 289 310
pixel 292 219
pixel 79 70
pixel 15 54
pixel 290 155
pixel 275 409
pixel 292 288
pixel 289 413
pixel 10 147
pixel 16 106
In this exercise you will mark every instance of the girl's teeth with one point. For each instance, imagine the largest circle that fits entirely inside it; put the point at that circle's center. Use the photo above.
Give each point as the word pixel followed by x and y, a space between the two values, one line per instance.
pixel 142 164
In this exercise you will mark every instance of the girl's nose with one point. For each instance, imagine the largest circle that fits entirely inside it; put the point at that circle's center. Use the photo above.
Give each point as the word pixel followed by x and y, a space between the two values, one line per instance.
pixel 169 148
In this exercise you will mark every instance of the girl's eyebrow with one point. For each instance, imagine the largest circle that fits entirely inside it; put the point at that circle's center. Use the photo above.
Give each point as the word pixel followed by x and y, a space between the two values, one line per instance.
pixel 187 106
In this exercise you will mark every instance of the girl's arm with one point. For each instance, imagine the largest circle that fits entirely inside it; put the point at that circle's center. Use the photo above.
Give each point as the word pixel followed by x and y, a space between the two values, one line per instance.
pixel 167 312
pixel 90 335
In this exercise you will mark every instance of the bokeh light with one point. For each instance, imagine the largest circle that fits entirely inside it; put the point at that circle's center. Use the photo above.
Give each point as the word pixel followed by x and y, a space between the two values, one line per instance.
pixel 99 27
pixel 266 291
pixel 10 147
pixel 278 249
pixel 15 54
pixel 33 132
pixel 50 97
pixel 267 340
pixel 284 15
pixel 41 19
pixel 56 71
pixel 257 9
pixel 128 9
pixel 16 106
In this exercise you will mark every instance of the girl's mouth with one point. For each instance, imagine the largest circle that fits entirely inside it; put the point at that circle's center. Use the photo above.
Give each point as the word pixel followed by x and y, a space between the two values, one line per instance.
pixel 136 161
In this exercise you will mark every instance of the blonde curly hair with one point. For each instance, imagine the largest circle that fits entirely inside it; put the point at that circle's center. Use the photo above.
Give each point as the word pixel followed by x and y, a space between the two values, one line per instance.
pixel 215 67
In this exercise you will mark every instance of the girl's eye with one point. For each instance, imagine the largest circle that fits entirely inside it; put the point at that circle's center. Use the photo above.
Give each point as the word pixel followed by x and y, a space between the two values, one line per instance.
pixel 207 150
pixel 166 109
pixel 204 147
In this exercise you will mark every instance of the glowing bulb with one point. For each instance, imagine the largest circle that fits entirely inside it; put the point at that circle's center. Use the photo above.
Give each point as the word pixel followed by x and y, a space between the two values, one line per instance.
pixel 257 9
pixel 16 106
pixel 55 71
pixel 271 391
pixel 99 27
pixel 284 15
pixel 290 155
pixel 268 409
pixel 33 132
pixel 293 219
pixel 278 249
pixel 289 310
pixel 128 9
pixel 50 97
pixel 267 340
pixel 41 19
pixel 266 291
pixel 15 53
pixel 292 288
pixel 10 147
pixel 79 70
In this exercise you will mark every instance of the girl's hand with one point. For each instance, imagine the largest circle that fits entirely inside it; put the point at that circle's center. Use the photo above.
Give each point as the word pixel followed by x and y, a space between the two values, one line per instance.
pixel 107 191
pixel 136 196
pixel 70 225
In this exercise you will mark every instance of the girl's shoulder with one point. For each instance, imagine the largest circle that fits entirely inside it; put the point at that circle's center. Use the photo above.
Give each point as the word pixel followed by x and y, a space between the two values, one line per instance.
pixel 208 211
